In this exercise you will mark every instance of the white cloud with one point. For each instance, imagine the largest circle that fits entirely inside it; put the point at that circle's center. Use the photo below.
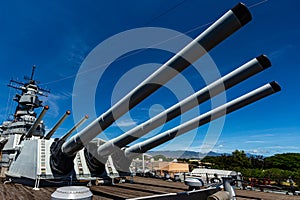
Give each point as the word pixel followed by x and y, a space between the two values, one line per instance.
pixel 263 135
pixel 52 102
pixel 79 50
pixel 282 50
pixel 284 147
pixel 255 141
pixel 259 151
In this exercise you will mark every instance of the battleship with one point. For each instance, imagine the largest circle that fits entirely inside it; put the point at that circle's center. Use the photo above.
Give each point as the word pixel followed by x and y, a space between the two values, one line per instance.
pixel 31 156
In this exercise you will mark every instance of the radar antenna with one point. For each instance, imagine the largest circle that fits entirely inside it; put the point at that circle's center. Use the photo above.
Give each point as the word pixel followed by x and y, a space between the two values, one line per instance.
pixel 22 86
pixel 32 72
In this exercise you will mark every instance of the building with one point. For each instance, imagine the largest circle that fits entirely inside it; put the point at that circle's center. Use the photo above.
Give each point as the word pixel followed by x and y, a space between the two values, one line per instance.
pixel 170 167
pixel 160 167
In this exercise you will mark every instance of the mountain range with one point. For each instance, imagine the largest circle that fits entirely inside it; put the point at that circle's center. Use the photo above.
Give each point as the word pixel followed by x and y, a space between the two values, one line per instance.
pixel 182 154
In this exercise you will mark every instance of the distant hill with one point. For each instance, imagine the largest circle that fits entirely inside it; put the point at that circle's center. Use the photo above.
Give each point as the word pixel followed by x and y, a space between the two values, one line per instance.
pixel 182 154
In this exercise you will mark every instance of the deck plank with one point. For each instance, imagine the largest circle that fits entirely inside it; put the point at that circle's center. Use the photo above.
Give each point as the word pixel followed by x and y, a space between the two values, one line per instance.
pixel 140 187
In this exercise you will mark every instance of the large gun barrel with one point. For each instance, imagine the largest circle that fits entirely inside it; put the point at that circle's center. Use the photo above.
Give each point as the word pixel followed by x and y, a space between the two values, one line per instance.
pixel 37 122
pixel 60 121
pixel 74 128
pixel 216 113
pixel 238 75
pixel 216 33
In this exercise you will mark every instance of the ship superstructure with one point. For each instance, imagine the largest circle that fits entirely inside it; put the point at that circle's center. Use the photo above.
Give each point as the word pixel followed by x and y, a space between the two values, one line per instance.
pixel 25 123
pixel 24 144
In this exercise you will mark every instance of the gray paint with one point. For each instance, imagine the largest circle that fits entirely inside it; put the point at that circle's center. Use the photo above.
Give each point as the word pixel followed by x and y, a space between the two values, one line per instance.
pixel 26 163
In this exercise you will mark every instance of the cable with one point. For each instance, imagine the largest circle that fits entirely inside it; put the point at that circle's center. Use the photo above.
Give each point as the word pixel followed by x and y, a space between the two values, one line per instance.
pixel 256 4
pixel 166 12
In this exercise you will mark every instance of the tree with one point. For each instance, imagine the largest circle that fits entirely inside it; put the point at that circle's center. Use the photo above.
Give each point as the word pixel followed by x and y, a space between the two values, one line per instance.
pixel 239 159
pixel 257 162
pixel 277 168
pixel 287 161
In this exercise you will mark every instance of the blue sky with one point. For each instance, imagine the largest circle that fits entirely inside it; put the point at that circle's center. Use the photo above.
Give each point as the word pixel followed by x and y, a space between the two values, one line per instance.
pixel 58 35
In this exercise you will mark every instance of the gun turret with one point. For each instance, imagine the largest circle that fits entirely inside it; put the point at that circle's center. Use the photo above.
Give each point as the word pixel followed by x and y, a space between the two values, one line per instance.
pixel 230 22
pixel 37 122
pixel 240 74
pixel 60 121
pixel 60 163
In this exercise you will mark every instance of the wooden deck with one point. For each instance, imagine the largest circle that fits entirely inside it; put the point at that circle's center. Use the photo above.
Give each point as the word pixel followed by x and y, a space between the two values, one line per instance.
pixel 140 187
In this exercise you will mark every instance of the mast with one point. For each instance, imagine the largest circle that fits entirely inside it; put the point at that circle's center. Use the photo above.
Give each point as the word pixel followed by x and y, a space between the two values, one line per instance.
pixel 27 101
